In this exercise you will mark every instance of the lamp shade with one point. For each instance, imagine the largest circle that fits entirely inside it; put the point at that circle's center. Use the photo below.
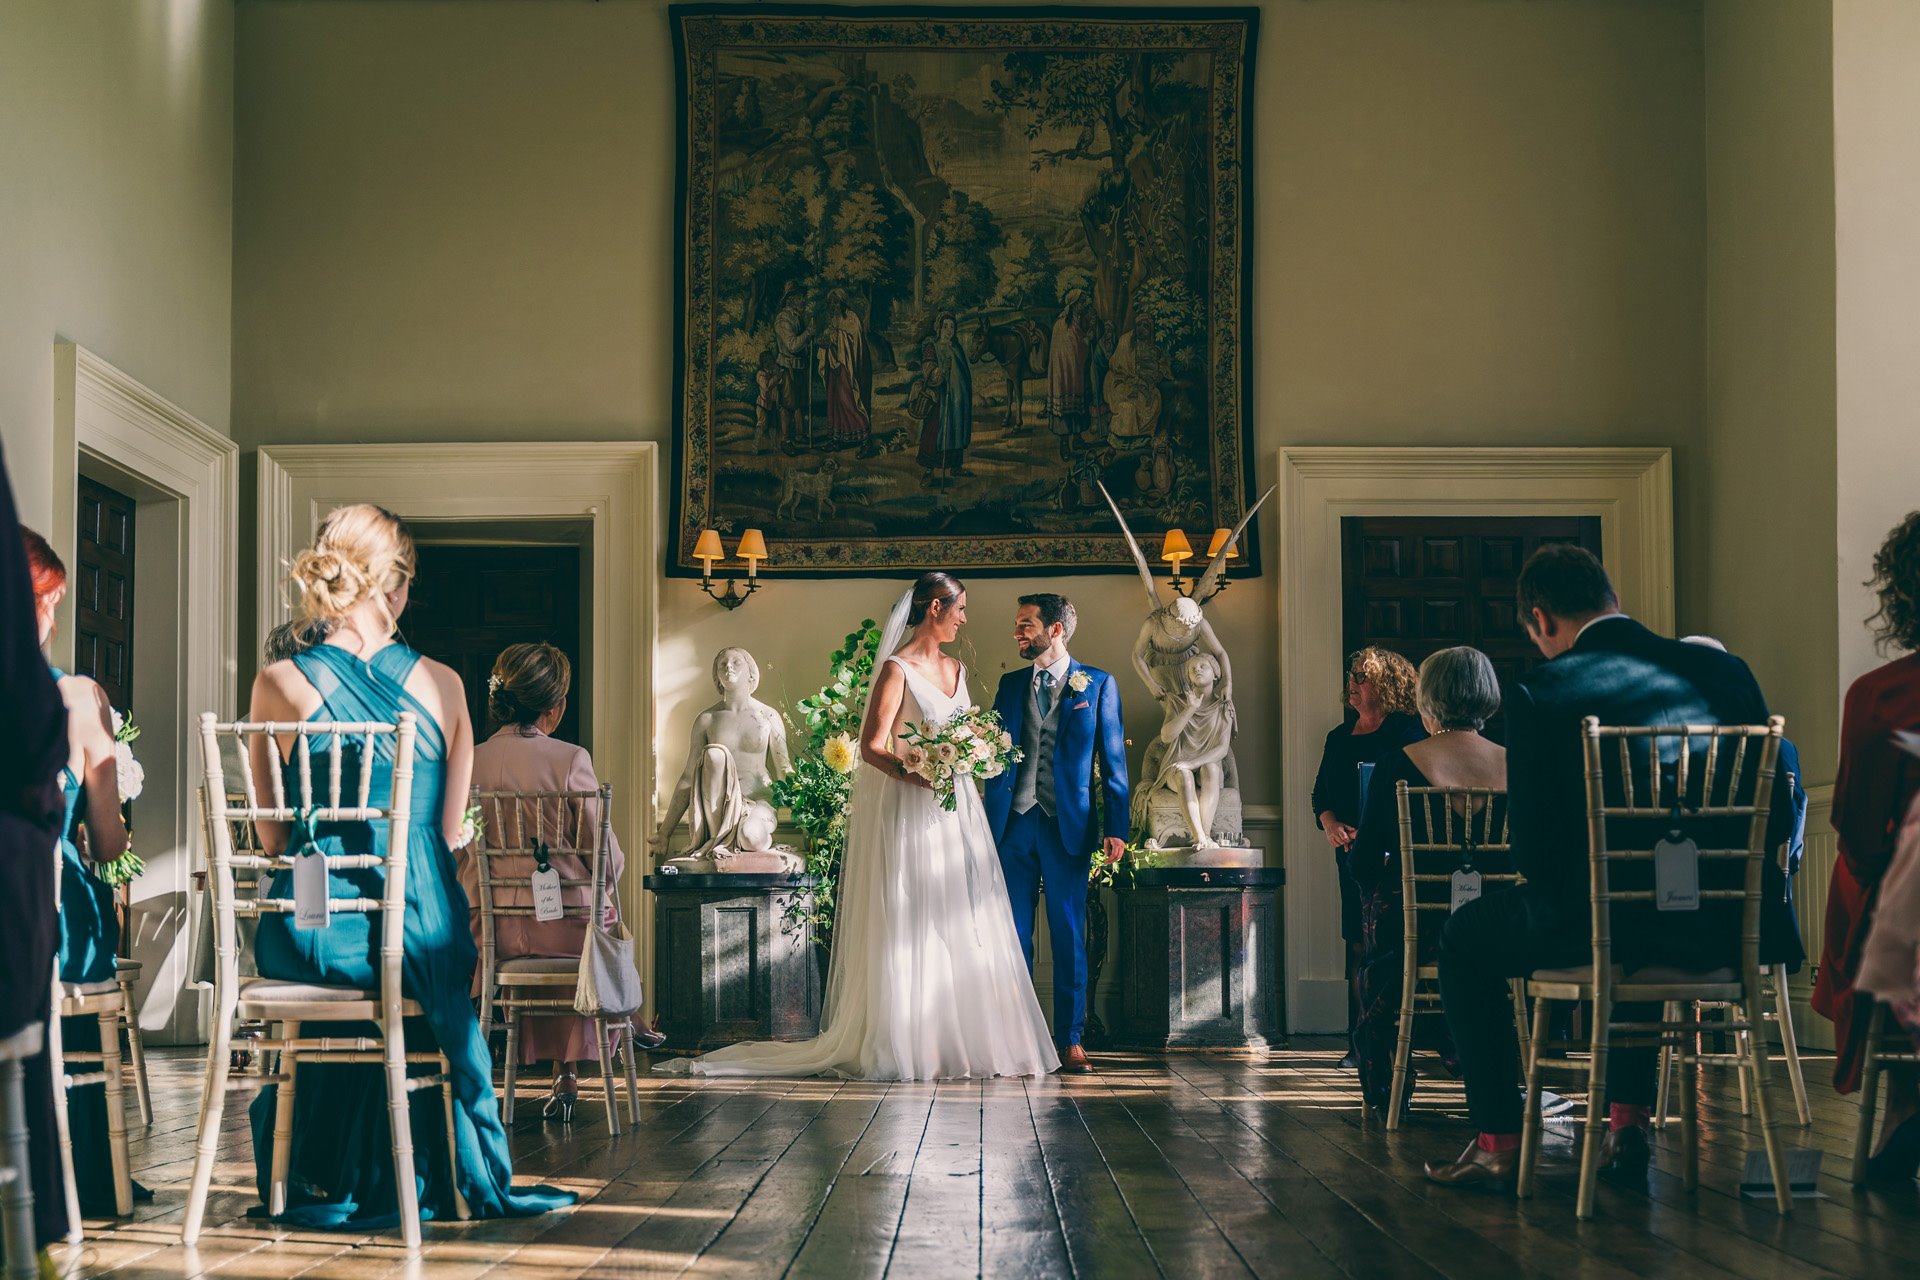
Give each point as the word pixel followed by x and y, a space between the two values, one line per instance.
pixel 1220 537
pixel 708 548
pixel 753 546
pixel 1176 547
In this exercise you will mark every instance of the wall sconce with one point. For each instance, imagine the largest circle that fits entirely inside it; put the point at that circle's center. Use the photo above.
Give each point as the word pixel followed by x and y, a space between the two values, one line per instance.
pixel 1176 549
pixel 752 549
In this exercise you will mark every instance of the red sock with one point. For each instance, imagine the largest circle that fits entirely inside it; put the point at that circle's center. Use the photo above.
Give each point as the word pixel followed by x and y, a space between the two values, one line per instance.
pixel 1498 1142
pixel 1627 1115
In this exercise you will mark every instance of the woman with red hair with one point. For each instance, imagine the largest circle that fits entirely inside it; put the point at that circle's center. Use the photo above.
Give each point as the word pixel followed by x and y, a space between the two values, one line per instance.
pixel 89 928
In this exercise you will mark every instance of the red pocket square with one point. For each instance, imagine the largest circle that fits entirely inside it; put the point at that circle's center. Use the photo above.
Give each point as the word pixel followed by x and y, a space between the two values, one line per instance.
pixel 1082 705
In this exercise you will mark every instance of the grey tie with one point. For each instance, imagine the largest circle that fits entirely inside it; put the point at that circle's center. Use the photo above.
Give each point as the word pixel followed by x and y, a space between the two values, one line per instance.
pixel 1046 691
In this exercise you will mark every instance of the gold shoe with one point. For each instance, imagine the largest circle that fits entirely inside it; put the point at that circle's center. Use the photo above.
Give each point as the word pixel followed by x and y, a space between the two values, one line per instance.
pixel 1477 1168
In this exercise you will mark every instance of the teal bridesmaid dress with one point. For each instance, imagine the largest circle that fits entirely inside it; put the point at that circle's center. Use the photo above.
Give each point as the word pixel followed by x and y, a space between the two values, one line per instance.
pixel 89 942
pixel 342 1160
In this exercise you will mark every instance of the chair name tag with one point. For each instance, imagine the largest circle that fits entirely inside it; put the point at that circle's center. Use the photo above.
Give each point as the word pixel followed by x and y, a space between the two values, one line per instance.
pixel 547 903
pixel 1676 874
pixel 310 890
pixel 1466 888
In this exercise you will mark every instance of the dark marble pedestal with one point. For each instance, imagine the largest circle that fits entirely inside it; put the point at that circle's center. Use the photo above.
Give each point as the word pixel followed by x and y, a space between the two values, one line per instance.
pixel 1200 958
pixel 725 965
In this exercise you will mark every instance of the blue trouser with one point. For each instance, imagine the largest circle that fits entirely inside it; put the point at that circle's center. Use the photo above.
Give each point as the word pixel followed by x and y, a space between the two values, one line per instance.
pixel 1029 853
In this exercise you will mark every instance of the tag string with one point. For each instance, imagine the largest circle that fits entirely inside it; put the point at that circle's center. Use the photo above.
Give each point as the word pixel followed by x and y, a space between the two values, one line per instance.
pixel 306 832
pixel 540 856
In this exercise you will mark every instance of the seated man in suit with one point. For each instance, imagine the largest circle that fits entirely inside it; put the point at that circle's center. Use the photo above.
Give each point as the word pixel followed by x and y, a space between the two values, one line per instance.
pixel 1602 663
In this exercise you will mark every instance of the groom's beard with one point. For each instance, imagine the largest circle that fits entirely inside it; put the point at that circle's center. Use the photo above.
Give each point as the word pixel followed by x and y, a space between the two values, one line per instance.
pixel 1031 649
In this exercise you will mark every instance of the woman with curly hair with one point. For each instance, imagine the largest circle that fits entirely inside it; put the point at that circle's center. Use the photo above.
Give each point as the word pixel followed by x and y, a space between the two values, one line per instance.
pixel 1380 693
pixel 1872 790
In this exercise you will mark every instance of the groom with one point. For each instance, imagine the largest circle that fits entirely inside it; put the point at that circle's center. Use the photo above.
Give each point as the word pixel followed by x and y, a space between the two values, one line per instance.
pixel 1041 810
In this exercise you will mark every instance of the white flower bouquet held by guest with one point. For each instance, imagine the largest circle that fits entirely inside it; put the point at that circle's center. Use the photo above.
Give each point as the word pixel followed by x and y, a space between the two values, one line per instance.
pixel 971 745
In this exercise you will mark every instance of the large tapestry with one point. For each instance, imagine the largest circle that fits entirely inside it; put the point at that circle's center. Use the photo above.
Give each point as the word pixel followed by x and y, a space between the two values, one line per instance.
pixel 942 271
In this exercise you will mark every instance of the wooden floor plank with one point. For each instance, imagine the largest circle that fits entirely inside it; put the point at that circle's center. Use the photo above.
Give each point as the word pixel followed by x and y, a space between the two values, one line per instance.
pixel 1187 1165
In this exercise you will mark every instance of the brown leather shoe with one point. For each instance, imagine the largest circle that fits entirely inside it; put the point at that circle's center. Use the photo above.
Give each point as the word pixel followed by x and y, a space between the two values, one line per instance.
pixel 1073 1061
pixel 1477 1168
pixel 1625 1155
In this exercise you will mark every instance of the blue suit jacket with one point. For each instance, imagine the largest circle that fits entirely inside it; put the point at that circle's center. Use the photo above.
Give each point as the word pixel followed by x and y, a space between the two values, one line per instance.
pixel 1089 723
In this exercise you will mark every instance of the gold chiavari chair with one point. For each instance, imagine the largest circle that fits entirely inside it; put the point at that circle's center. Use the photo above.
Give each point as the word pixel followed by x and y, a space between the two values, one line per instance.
pixel 1662 772
pixel 1887 1044
pixel 1464 829
pixel 294 1005
pixel 16 1178
pixel 518 829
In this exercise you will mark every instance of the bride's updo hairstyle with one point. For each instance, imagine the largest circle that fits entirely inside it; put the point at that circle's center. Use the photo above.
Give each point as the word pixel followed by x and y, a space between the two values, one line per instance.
pixel 933 586
pixel 361 553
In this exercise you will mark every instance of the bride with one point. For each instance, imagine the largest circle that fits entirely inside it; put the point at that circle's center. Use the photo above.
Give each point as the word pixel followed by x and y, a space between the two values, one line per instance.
pixel 928 980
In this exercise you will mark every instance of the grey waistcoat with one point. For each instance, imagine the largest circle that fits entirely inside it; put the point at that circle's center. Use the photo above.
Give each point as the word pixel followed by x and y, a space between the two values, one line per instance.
pixel 1033 783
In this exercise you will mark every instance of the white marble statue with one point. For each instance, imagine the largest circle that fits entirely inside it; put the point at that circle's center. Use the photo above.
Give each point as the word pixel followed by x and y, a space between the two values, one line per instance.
pixel 738 746
pixel 1189 795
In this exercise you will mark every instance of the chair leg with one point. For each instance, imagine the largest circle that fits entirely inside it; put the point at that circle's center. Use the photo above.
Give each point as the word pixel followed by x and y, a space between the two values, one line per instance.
pixel 283 1124
pixel 1757 1063
pixel 213 1105
pixel 460 1209
pixel 1530 1120
pixel 633 1083
pixel 1669 1012
pixel 606 1078
pixel 16 1196
pixel 394 1047
pixel 1522 1035
pixel 513 1064
pixel 57 1063
pixel 1869 1094
pixel 1688 1054
pixel 1596 1108
pixel 1743 1054
pixel 109 1020
pixel 1402 1049
pixel 1790 1045
pixel 136 1054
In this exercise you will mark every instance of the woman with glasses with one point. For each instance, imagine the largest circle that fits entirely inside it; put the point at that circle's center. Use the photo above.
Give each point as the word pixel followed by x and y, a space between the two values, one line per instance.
pixel 1380 698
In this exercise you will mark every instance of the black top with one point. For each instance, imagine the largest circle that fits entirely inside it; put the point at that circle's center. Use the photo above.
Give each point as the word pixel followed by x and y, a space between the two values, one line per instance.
pixel 1626 675
pixel 1337 786
pixel 32 752
pixel 1375 858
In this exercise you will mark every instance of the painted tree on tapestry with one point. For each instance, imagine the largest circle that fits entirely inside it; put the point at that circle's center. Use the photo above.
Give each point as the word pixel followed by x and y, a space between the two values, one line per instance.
pixel 945 272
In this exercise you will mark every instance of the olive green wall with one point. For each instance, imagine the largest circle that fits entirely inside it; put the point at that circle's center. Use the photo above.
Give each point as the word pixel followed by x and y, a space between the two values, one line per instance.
pixel 1477 222
pixel 116 209
pixel 1766 489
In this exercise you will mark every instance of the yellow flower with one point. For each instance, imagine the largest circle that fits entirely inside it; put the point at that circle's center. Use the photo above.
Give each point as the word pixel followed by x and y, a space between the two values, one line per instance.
pixel 840 753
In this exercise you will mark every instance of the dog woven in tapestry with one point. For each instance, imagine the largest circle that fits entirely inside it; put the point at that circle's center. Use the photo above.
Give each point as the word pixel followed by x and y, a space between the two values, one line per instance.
pixel 943 270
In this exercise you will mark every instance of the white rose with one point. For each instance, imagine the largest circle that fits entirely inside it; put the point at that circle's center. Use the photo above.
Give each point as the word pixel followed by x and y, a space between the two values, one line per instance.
pixel 914 757
pixel 132 778
pixel 947 752
pixel 1078 682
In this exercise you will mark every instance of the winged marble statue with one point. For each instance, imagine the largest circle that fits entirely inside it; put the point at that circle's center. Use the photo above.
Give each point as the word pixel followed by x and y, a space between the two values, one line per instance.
pixel 1190 792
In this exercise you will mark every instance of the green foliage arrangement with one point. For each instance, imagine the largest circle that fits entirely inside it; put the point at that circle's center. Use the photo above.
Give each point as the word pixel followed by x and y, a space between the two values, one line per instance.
pixel 818 790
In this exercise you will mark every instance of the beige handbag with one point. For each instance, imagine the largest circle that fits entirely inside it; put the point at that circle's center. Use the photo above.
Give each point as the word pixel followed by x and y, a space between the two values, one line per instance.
pixel 609 985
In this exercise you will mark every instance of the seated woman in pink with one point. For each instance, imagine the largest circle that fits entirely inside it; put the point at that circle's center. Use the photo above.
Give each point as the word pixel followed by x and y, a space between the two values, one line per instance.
pixel 527 695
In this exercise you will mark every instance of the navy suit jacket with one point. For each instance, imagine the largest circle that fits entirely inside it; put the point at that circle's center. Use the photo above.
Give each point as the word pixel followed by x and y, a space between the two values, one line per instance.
pixel 1089 725
pixel 1625 674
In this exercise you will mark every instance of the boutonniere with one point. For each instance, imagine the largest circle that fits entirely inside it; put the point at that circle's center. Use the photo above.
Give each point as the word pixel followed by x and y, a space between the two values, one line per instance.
pixel 1079 681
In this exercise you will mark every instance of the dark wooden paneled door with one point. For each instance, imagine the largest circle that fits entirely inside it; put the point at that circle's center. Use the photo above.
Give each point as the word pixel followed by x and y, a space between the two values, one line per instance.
pixel 470 602
pixel 1415 584
pixel 103 591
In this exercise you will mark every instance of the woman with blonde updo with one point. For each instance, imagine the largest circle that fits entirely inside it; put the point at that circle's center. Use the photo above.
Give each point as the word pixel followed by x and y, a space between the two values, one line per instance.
pixel 527 696
pixel 354 580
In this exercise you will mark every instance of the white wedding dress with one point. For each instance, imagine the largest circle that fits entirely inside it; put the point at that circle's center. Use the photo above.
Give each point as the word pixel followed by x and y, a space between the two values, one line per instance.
pixel 928 980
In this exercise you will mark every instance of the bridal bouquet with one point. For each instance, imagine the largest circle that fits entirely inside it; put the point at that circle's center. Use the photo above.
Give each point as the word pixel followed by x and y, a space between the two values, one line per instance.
pixel 970 745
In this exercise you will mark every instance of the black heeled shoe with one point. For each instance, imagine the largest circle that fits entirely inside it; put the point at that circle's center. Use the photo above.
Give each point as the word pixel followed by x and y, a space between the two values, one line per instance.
pixel 560 1105
pixel 1899 1160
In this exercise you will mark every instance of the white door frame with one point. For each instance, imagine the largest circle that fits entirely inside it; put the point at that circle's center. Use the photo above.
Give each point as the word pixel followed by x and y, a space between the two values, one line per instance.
pixel 1630 490
pixel 185 477
pixel 614 485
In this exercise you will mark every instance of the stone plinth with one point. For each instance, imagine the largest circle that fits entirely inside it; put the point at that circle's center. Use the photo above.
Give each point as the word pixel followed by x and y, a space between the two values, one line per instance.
pixel 1200 958
pixel 725 966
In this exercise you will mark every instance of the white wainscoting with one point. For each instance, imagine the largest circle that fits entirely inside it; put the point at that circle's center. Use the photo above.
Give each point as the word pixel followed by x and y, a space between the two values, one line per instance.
pixel 1810 903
